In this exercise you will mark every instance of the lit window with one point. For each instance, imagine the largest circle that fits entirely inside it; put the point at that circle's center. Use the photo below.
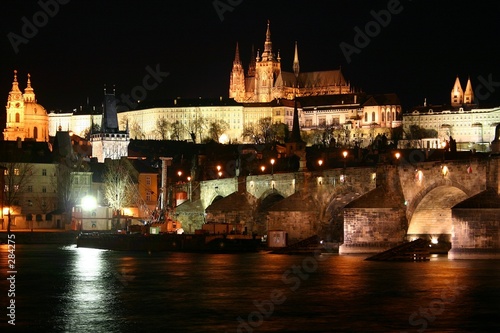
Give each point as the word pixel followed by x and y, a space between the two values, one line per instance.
pixel 16 172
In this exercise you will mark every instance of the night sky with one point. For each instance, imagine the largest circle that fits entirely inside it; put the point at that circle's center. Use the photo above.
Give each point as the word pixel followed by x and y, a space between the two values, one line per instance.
pixel 417 52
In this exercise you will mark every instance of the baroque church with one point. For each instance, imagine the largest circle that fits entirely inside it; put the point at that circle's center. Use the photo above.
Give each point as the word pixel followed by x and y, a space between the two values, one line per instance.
pixel 26 119
pixel 264 80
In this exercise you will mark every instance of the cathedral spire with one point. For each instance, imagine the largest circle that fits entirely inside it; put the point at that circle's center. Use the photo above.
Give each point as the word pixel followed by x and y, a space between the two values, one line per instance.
pixel 469 93
pixel 296 67
pixel 251 66
pixel 237 60
pixel 457 94
pixel 268 45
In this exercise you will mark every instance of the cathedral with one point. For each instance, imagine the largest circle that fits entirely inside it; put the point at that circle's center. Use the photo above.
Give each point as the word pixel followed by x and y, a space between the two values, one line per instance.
pixel 26 119
pixel 265 81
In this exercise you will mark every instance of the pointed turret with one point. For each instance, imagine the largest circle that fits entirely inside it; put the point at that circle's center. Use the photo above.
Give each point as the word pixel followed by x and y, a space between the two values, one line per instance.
pixel 469 93
pixel 457 94
pixel 296 66
pixel 15 93
pixel 29 93
pixel 251 66
pixel 237 78
pixel 268 45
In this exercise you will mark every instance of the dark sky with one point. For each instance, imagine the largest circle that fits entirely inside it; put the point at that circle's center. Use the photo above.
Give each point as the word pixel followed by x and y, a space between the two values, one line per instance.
pixel 416 53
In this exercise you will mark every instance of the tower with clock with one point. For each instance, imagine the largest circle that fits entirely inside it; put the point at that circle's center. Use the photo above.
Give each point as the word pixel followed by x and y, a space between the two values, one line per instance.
pixel 26 119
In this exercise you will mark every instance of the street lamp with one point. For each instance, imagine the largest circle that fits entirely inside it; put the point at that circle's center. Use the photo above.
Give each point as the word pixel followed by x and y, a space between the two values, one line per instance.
pixel 272 165
pixel 320 163
pixel 263 168
pixel 179 173
pixel 219 173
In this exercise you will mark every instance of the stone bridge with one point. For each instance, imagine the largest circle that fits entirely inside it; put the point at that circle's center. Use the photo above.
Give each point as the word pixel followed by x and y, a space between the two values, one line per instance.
pixel 367 209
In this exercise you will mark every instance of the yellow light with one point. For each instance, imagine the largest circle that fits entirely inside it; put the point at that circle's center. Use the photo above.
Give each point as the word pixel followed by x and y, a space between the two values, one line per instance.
pixel 320 162
pixel 89 202
pixel 263 168
pixel 272 161
pixel 398 155
pixel 345 154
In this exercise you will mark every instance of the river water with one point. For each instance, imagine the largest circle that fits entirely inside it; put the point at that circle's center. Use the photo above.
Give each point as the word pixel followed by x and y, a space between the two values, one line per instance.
pixel 69 289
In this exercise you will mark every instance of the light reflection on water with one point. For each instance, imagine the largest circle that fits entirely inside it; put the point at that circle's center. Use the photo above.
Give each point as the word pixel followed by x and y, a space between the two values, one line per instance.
pixel 66 289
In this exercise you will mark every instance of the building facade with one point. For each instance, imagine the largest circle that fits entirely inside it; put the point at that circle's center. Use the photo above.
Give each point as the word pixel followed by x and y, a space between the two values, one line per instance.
pixel 266 81
pixel 463 121
pixel 26 119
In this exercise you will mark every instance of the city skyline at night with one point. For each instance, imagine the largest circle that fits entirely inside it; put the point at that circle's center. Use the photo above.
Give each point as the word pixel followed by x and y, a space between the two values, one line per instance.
pixel 159 50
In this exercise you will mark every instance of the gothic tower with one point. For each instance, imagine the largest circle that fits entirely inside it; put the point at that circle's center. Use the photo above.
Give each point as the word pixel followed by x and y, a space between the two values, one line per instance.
pixel 26 119
pixel 457 94
pixel 469 93
pixel 267 69
pixel 110 142
pixel 237 79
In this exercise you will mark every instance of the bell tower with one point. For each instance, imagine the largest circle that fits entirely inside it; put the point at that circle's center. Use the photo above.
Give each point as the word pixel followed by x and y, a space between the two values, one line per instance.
pixel 14 128
pixel 267 69
pixel 457 94
pixel 237 79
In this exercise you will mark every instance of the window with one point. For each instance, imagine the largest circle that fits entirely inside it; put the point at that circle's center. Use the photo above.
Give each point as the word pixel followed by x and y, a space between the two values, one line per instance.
pixel 6 172
pixel 148 196
pixel 16 172
pixel 373 116
pixel 30 188
pixel 148 180
pixel 44 172
pixel 44 189
pixel 366 117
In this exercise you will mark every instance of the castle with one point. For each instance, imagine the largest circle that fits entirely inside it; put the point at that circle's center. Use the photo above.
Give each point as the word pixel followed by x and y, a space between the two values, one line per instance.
pixel 266 81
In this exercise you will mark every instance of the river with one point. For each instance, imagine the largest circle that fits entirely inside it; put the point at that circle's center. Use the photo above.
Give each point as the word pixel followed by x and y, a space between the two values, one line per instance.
pixel 68 289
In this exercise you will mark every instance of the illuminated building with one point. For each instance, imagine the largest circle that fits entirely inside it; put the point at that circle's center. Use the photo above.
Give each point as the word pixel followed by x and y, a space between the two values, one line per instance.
pixel 26 119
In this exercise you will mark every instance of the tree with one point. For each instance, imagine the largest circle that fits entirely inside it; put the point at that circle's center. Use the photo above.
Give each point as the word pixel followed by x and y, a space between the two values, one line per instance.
pixel 197 127
pixel 136 131
pixel 161 128
pixel 251 133
pixel 217 128
pixel 95 128
pixel 177 130
pixel 17 178
pixel 119 188
pixel 68 191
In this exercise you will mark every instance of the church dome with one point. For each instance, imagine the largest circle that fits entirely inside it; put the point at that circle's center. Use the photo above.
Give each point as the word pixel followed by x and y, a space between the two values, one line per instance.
pixel 35 109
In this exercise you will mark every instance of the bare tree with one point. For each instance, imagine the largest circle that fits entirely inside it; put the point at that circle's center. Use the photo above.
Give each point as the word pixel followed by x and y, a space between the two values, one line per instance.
pixel 177 130
pixel 217 128
pixel 136 131
pixel 162 127
pixel 251 132
pixel 197 127
pixel 120 188
pixel 17 177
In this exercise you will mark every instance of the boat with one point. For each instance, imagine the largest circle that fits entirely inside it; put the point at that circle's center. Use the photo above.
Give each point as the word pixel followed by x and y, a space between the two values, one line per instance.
pixel 222 243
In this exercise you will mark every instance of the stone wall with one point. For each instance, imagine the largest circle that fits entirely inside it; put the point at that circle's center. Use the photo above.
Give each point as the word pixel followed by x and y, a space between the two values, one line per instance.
pixel 298 225
pixel 476 233
pixel 369 230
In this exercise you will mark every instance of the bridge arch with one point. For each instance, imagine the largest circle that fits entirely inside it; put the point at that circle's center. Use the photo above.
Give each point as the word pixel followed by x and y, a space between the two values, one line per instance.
pixel 431 216
pixel 269 198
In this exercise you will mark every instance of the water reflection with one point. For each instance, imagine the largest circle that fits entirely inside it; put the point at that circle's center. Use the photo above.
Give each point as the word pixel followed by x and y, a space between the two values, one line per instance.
pixel 85 290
